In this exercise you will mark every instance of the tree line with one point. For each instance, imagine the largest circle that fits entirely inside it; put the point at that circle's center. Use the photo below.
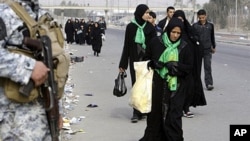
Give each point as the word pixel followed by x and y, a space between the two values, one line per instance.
pixel 223 13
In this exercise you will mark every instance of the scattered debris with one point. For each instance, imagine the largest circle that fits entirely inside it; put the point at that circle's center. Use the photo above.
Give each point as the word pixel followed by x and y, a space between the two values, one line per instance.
pixel 92 106
pixel 70 100
pixel 88 94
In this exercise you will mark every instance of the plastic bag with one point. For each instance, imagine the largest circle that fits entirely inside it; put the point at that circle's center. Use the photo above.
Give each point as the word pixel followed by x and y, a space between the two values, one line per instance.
pixel 141 93
pixel 120 88
pixel 103 37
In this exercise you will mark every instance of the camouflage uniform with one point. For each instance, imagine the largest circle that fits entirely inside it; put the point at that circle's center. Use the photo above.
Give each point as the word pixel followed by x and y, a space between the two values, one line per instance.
pixel 18 122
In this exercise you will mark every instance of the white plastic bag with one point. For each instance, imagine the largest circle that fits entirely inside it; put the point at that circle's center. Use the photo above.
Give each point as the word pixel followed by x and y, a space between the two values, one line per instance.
pixel 141 93
pixel 103 37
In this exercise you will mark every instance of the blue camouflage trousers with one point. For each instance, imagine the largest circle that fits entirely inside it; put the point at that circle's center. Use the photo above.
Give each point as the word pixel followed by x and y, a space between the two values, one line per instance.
pixel 23 122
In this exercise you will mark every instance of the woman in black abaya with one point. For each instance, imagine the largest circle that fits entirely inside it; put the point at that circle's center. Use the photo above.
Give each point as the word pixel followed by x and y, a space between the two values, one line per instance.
pixel 170 59
pixel 96 39
pixel 195 95
pixel 133 49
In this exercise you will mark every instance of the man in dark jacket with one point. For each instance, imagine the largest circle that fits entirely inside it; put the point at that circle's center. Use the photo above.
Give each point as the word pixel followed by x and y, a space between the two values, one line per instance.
pixel 205 34
pixel 164 22
pixel 137 35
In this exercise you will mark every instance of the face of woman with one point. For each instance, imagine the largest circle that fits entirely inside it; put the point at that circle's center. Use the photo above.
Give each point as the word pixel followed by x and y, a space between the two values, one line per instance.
pixel 145 16
pixel 175 34
pixel 181 18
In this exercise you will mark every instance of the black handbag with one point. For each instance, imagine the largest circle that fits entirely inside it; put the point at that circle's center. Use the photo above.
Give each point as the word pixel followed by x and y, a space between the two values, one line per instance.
pixel 120 88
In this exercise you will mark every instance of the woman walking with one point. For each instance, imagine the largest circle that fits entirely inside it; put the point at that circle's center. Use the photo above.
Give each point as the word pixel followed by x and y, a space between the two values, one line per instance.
pixel 96 39
pixel 170 58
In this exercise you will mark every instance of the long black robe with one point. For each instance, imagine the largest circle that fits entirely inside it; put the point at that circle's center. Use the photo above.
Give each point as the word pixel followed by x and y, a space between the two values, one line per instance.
pixel 76 26
pixel 167 127
pixel 195 95
pixel 69 31
pixel 130 49
pixel 96 39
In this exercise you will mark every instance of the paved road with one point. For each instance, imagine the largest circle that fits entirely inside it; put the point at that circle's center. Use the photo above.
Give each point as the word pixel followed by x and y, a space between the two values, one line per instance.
pixel 227 104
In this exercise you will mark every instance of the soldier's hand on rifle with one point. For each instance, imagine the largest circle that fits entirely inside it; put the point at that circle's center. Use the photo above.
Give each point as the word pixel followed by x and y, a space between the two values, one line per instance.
pixel 40 73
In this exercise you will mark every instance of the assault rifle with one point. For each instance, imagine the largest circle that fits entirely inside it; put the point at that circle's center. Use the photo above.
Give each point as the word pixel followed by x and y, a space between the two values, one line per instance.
pixel 43 50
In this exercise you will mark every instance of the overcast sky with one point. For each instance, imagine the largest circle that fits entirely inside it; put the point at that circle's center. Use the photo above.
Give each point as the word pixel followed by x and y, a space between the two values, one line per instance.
pixel 151 3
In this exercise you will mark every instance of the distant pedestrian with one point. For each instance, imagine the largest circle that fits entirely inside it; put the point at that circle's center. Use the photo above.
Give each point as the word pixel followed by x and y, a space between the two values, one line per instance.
pixel 164 22
pixel 137 35
pixel 152 20
pixel 88 32
pixel 96 39
pixel 205 32
pixel 76 26
pixel 69 31
pixel 83 28
pixel 102 24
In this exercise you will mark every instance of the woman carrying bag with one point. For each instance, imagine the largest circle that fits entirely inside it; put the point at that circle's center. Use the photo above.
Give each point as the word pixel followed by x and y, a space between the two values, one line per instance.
pixel 171 62
pixel 137 35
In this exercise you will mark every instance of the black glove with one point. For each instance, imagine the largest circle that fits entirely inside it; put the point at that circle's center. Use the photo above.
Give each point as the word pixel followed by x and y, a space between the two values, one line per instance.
pixel 172 67
pixel 155 64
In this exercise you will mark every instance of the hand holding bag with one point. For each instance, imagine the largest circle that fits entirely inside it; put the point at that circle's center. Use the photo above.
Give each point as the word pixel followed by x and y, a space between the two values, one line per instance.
pixel 120 88
pixel 141 96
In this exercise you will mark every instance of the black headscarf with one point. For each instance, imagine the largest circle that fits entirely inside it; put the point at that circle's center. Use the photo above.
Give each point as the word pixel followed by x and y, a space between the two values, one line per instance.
pixel 174 22
pixel 139 12
pixel 180 13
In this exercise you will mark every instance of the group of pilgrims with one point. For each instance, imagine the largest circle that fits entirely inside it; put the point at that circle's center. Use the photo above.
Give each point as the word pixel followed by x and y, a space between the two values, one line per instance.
pixel 80 32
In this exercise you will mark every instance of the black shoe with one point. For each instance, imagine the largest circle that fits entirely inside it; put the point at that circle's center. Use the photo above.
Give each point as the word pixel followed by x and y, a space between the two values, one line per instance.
pixel 94 53
pixel 210 87
pixel 134 119
pixel 97 54
pixel 142 116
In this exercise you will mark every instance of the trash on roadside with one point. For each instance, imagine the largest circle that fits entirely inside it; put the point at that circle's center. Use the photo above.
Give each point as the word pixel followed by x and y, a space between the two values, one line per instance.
pixel 76 59
pixel 92 106
pixel 88 94
pixel 72 132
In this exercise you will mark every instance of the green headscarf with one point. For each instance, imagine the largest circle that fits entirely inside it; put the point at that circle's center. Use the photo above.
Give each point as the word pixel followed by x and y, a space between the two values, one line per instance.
pixel 169 54
pixel 140 37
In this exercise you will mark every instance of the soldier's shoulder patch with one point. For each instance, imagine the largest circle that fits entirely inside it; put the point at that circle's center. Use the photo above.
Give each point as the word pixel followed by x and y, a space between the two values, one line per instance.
pixel 3 32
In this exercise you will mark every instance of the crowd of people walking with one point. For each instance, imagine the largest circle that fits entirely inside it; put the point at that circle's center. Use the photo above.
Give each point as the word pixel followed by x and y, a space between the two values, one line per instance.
pixel 78 31
pixel 175 50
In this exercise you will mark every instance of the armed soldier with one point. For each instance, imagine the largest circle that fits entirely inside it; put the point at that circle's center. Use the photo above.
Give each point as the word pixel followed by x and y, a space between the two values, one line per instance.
pixel 24 120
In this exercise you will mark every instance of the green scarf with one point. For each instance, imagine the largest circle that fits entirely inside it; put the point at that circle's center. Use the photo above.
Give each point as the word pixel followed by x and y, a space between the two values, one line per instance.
pixel 169 54
pixel 140 37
